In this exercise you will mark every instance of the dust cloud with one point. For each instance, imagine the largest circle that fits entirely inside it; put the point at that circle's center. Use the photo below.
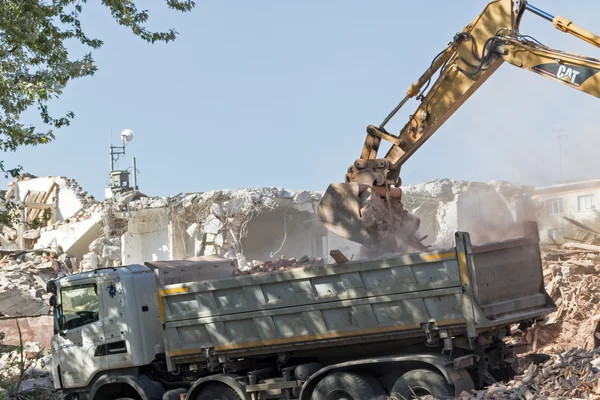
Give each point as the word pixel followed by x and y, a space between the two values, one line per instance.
pixel 393 229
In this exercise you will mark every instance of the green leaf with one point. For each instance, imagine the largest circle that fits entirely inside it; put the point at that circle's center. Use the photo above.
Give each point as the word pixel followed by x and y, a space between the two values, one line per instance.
pixel 35 65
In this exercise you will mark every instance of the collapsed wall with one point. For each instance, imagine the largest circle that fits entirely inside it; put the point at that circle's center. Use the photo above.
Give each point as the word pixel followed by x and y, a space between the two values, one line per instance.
pixel 65 192
pixel 488 211
pixel 243 224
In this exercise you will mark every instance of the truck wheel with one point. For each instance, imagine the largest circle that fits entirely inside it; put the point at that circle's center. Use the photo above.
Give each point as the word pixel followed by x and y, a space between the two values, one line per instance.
pixel 348 386
pixel 217 391
pixel 421 382
pixel 173 394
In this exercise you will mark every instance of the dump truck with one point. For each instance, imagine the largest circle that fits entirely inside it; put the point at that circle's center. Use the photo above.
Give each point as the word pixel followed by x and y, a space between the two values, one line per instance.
pixel 432 322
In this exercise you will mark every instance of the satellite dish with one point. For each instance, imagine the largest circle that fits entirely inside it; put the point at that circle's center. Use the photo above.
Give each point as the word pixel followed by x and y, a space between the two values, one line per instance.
pixel 127 135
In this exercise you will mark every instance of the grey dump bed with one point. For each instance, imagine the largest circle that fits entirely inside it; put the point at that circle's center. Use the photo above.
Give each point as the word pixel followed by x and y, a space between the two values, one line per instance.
pixel 464 289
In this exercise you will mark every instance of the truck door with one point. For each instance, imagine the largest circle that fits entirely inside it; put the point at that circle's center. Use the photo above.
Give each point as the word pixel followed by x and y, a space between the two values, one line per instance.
pixel 117 332
pixel 81 334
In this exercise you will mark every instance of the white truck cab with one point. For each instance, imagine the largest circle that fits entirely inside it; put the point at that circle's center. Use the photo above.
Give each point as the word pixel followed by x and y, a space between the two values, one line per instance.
pixel 105 320
pixel 107 341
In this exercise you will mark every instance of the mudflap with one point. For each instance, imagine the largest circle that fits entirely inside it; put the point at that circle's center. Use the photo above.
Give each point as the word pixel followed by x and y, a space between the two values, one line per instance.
pixel 461 380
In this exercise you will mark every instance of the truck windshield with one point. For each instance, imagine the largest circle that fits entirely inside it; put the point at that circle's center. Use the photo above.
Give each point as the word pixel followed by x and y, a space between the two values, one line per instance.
pixel 79 305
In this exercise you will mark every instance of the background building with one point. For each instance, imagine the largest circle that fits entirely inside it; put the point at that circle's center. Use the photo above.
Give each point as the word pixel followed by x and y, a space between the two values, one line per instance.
pixel 577 200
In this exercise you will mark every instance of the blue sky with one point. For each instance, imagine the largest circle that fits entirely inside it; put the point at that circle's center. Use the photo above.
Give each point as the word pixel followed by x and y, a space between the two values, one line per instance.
pixel 279 93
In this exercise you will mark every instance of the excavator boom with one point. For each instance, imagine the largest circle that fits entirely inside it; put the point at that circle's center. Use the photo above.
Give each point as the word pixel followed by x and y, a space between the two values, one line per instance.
pixel 473 55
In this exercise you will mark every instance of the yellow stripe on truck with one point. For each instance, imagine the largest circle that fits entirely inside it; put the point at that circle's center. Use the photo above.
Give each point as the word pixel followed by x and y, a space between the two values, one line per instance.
pixel 462 262
pixel 440 256
pixel 161 293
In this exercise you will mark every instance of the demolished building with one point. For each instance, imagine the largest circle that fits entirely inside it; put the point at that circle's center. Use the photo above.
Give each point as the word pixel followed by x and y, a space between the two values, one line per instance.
pixel 247 224
pixel 251 226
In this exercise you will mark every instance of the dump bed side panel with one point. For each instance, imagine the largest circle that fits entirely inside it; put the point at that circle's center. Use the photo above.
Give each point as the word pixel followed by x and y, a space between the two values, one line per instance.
pixel 358 299
pixel 285 329
pixel 313 285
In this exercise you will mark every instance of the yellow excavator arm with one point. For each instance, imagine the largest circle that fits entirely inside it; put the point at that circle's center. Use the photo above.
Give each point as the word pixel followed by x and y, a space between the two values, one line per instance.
pixel 470 59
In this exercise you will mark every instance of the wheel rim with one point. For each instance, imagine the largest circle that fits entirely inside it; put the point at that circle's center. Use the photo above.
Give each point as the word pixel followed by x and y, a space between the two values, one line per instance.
pixel 339 395
pixel 418 391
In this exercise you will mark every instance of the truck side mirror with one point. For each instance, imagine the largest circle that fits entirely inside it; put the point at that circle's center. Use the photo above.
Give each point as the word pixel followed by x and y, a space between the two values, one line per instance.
pixel 52 301
pixel 61 320
pixel 51 286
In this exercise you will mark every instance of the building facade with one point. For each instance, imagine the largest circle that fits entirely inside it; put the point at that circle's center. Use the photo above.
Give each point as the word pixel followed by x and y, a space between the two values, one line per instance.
pixel 576 200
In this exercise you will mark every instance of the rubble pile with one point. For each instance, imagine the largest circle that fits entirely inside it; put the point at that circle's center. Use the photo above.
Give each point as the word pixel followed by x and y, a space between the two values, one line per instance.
pixel 104 252
pixel 25 273
pixel 281 264
pixel 572 279
pixel 392 227
pixel 35 362
pixel 218 220
pixel 570 375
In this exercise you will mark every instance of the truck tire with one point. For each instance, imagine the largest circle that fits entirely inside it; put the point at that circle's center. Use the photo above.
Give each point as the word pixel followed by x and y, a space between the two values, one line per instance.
pixel 173 394
pixel 348 386
pixel 217 391
pixel 421 382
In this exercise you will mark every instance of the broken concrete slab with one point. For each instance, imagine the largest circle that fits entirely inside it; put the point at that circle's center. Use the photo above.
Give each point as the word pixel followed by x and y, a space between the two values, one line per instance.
pixel 15 303
pixel 33 234
pixel 75 238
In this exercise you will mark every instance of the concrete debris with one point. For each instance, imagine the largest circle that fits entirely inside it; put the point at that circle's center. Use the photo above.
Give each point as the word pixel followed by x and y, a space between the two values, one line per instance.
pixel 281 264
pixel 567 375
pixel 103 252
pixel 392 227
pixel 8 233
pixel 36 363
pixel 23 280
pixel 18 301
pixel 32 234
pixel 127 198
pixel 224 203
pixel 582 246
pixel 572 279
pixel 303 197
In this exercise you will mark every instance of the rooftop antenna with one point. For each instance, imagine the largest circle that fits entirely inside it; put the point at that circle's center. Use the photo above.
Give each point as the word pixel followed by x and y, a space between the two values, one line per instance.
pixel 119 179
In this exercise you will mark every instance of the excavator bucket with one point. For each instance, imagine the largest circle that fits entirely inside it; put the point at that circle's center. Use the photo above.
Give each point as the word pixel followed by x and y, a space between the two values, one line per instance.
pixel 355 212
pixel 340 212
